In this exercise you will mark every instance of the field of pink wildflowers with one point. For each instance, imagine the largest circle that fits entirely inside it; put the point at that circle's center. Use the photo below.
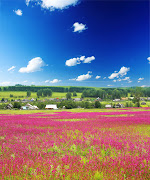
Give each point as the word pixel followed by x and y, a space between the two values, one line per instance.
pixel 75 146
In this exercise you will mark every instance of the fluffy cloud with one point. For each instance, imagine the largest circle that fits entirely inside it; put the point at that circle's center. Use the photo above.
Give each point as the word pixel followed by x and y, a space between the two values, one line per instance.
pixel 114 80
pixel 11 68
pixel 129 81
pixel 73 62
pixel 88 59
pixel 84 76
pixel 79 27
pixel 34 65
pixel 104 78
pixel 126 79
pixel 122 72
pixel 97 77
pixel 83 59
pixel 47 81
pixel 148 59
pixel 18 12
pixel 6 83
pixel 143 86
pixel 140 79
pixel 113 75
pixel 25 81
pixel 55 81
pixel 27 2
pixel 109 85
pixel 54 4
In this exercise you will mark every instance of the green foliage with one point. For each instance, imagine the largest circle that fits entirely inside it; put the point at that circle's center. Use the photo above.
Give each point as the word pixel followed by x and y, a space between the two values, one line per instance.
pixel 11 95
pixel 68 95
pixel 28 93
pixel 17 105
pixel 41 105
pixel 70 104
pixel 39 93
pixel 74 93
pixel 97 104
pixel 47 92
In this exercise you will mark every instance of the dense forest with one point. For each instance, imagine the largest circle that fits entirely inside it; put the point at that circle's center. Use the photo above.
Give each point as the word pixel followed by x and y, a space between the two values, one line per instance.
pixel 103 93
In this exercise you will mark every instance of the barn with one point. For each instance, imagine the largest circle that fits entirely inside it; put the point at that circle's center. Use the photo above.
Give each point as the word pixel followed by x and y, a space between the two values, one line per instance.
pixel 51 106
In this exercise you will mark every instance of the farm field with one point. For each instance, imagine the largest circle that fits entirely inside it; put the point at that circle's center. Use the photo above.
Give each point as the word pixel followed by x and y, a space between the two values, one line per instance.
pixel 19 94
pixel 70 145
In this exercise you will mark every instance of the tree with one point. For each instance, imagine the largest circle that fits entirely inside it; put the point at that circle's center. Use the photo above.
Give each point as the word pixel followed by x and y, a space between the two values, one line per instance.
pixel 74 93
pixel 47 92
pixel 97 104
pixel 17 105
pixel 39 93
pixel 137 94
pixel 116 94
pixel 28 93
pixel 68 95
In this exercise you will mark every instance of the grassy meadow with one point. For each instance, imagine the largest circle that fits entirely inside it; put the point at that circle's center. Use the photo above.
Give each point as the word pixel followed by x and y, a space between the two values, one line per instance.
pixel 23 95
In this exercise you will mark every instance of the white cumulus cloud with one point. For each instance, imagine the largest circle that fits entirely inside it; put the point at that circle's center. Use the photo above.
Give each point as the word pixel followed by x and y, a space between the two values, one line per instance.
pixel 84 76
pixel 122 72
pixel 126 79
pixel 18 12
pixel 54 4
pixel 78 60
pixel 97 77
pixel 6 83
pixel 73 62
pixel 34 65
pixel 47 81
pixel 55 81
pixel 11 68
pixel 27 2
pixel 25 81
pixel 79 27
pixel 140 79
pixel 148 59
pixel 88 59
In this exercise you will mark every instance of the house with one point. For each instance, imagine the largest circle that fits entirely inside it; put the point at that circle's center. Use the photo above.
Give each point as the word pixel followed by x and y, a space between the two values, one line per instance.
pixel 124 98
pixel 143 103
pixel 131 98
pixel 119 106
pixel 142 99
pixel 33 107
pixel 29 107
pixel 77 99
pixel 9 106
pixel 52 99
pixel 24 100
pixel 98 99
pixel 63 99
pixel 51 106
pixel 115 100
pixel 108 106
pixel 24 107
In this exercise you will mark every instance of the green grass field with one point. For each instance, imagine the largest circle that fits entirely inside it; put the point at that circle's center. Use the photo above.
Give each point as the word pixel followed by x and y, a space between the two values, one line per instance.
pixel 23 95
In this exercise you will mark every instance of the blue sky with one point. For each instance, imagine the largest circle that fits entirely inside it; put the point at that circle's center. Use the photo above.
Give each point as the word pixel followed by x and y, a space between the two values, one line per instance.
pixel 74 43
